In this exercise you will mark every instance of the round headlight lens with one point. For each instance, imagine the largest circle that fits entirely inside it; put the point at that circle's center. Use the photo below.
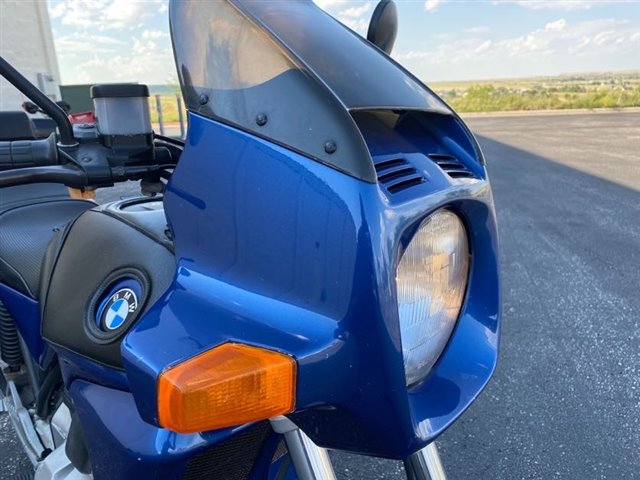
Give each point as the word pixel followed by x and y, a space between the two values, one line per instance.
pixel 431 282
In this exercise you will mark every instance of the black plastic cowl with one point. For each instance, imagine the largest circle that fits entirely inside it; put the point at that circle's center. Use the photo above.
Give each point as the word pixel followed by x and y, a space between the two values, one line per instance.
pixel 119 90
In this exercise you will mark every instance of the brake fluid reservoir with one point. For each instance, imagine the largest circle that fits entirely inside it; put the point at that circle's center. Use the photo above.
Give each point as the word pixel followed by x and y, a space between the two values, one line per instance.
pixel 122 109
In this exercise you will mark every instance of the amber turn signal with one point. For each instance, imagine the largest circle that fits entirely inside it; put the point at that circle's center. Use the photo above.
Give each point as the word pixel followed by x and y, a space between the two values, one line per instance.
pixel 228 385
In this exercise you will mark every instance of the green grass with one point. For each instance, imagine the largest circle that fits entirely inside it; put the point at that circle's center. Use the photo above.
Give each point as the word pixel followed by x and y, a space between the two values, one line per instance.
pixel 169 109
pixel 605 90
pixel 590 91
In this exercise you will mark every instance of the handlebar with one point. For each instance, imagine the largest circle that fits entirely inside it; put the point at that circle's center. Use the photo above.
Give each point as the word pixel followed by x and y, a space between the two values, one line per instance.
pixel 28 153
pixel 91 160
pixel 66 175
pixel 91 164
pixel 36 161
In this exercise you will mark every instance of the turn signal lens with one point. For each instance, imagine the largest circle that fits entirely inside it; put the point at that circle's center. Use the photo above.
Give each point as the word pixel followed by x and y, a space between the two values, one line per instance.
pixel 228 385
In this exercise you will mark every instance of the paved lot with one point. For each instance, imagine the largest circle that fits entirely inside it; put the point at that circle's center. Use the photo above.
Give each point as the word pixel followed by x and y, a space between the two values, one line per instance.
pixel 565 399
pixel 565 402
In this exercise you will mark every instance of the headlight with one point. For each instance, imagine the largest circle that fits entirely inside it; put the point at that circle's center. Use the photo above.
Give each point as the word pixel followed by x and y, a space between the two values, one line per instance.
pixel 431 282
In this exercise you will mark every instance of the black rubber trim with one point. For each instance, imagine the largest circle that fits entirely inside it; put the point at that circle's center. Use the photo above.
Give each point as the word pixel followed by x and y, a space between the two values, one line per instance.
pixel 50 384
pixel 119 90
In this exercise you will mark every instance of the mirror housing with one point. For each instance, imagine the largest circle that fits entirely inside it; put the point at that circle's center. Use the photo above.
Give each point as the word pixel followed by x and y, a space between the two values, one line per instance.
pixel 383 28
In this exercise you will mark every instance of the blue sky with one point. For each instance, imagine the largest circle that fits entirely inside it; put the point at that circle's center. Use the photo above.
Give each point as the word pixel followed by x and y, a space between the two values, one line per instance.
pixel 124 40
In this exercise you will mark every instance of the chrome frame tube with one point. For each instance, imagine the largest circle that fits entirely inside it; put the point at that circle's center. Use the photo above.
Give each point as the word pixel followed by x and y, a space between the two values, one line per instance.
pixel 425 464
pixel 310 461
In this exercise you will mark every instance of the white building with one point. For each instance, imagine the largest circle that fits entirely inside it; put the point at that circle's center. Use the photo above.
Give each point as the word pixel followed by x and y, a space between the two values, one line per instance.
pixel 26 42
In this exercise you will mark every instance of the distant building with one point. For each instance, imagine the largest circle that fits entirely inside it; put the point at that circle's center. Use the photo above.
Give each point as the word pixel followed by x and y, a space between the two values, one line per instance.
pixel 26 41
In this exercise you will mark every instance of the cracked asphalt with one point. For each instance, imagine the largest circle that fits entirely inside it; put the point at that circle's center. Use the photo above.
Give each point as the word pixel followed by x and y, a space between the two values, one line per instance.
pixel 565 399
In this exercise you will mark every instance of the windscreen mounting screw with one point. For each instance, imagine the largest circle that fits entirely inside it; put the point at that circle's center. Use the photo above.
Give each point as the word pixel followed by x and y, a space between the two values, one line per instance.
pixel 204 99
pixel 261 119
pixel 330 147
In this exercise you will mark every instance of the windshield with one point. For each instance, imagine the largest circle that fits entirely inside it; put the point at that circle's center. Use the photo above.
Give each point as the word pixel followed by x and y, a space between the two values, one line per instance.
pixel 287 71
pixel 359 74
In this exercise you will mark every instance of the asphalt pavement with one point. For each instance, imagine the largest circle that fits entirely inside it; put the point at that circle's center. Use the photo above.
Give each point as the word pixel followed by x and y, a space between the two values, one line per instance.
pixel 565 398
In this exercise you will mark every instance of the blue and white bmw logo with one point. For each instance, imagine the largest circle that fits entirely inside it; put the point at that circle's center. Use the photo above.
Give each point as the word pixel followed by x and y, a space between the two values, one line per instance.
pixel 120 306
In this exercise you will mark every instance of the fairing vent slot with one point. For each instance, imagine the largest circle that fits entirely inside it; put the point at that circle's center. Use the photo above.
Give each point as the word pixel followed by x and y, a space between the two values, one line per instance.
pixel 396 174
pixel 451 166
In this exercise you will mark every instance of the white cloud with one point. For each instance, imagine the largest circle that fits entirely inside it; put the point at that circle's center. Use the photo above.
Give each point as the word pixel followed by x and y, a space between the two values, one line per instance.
pixel 58 9
pixel 353 13
pixel 566 5
pixel 356 18
pixel 557 47
pixel 432 5
pixel 356 12
pixel 101 15
pixel 123 13
pixel 142 48
pixel 604 38
pixel 78 42
pixel 484 46
pixel 154 34
pixel 112 41
pixel 326 4
pixel 556 26
pixel 149 64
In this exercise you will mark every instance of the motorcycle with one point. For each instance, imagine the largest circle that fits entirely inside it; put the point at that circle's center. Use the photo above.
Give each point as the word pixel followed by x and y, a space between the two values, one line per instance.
pixel 315 267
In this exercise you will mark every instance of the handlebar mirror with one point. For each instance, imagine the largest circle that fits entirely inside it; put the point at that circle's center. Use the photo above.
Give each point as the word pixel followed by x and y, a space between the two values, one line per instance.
pixel 47 105
pixel 383 27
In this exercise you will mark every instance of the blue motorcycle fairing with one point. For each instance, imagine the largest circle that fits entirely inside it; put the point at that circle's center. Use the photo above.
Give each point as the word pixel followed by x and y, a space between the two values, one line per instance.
pixel 279 251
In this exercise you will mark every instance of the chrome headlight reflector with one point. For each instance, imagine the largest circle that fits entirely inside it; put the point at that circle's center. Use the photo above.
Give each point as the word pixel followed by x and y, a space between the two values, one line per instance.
pixel 431 283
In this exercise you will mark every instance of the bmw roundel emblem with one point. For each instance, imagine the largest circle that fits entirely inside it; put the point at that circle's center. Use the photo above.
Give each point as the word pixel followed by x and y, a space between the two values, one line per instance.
pixel 120 306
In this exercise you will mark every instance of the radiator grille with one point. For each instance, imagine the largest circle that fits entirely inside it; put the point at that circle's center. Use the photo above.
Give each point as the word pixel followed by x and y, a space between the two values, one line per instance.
pixel 231 459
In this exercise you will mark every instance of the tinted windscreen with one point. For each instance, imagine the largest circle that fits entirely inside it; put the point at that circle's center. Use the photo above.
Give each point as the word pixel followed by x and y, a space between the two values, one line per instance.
pixel 231 68
pixel 357 72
